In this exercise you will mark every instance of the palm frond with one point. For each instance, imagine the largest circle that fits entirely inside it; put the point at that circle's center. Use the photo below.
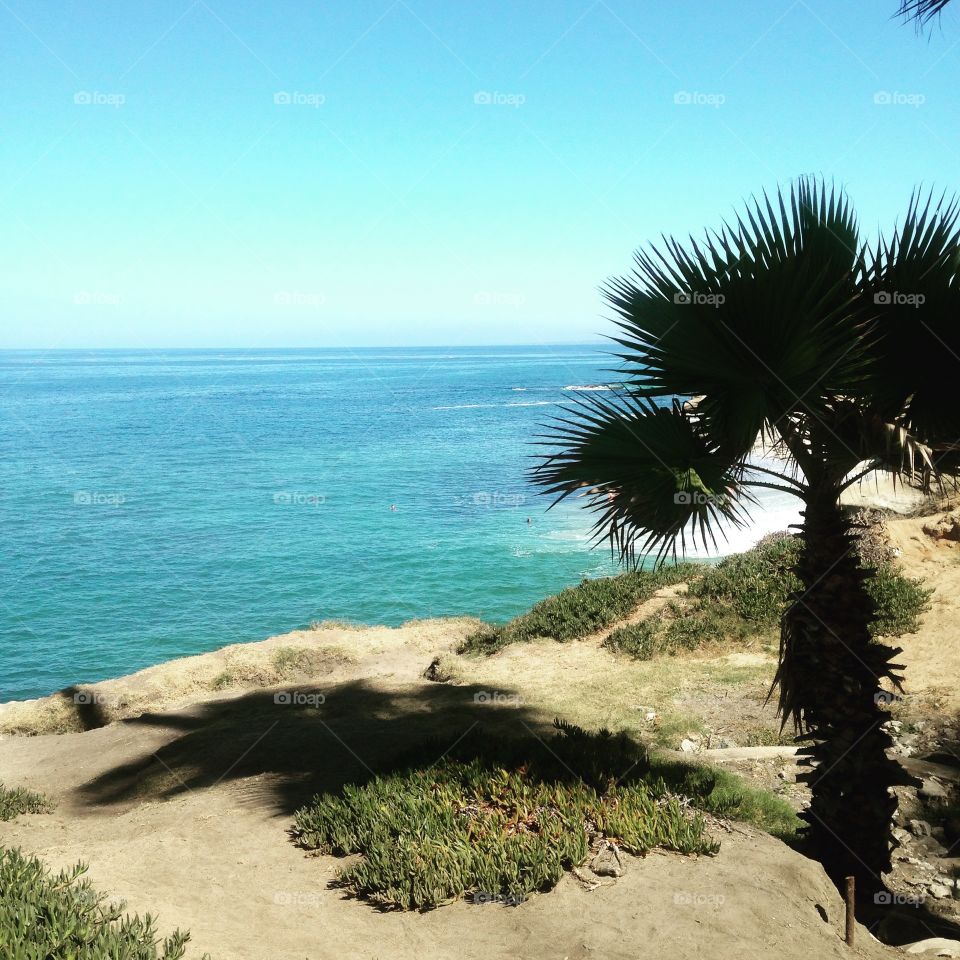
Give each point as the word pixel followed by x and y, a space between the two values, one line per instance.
pixel 912 288
pixel 922 11
pixel 759 319
pixel 647 471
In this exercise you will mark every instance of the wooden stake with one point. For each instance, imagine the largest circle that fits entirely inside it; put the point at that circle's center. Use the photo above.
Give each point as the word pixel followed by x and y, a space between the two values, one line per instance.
pixel 851 910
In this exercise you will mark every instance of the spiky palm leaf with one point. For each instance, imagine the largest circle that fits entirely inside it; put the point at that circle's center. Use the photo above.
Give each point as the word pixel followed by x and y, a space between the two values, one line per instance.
pixel 762 322
pixel 648 471
pixel 922 11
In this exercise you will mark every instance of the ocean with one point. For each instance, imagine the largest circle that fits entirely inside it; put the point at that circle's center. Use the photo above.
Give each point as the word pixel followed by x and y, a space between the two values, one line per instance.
pixel 156 504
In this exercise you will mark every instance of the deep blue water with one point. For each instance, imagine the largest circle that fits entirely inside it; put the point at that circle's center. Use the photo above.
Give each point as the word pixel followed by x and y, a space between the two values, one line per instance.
pixel 157 504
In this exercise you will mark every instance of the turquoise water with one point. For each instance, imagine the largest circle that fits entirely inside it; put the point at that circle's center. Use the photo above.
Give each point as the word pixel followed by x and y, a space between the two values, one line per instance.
pixel 158 504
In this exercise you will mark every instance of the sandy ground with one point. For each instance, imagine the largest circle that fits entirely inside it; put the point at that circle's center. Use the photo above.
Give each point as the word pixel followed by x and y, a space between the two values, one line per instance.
pixel 177 786
pixel 185 814
pixel 932 655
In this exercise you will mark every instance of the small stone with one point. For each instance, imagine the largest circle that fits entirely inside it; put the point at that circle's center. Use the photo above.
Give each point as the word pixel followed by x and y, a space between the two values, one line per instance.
pixel 689 746
pixel 608 862
pixel 900 834
pixel 932 790
pixel 919 828
pixel 931 847
pixel 725 744
pixel 936 946
pixel 939 890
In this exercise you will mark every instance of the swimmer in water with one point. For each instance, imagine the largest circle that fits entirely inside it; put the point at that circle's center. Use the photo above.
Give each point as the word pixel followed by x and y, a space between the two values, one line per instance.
pixel 393 508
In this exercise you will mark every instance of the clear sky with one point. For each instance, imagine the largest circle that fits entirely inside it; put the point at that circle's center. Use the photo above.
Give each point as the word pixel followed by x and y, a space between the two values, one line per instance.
pixel 231 173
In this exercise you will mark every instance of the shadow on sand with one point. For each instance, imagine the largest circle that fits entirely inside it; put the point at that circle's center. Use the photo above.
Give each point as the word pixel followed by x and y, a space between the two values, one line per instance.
pixel 307 739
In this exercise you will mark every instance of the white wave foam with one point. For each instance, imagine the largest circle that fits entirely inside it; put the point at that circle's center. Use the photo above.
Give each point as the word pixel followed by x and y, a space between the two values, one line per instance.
pixel 588 387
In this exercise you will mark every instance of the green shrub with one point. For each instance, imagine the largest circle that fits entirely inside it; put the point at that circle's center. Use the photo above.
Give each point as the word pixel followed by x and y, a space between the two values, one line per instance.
pixel 496 821
pixel 755 584
pixel 13 802
pixel 900 601
pixel 581 610
pixel 59 917
pixel 637 640
pixel 741 596
pixel 505 818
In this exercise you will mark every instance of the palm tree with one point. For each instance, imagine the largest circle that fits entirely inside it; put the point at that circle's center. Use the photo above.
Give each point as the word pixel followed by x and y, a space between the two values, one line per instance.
pixel 782 327
pixel 922 11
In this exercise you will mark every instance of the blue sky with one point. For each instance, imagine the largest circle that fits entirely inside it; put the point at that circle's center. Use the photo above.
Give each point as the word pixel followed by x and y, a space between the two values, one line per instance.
pixel 422 172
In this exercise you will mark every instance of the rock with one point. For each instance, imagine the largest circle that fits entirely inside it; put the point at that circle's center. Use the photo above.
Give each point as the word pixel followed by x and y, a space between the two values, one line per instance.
pixel 936 946
pixel 901 835
pixel 920 828
pixel 932 847
pixel 608 862
pixel 725 744
pixel 437 671
pixel 932 790
pixel 689 746
pixel 939 891
pixel 946 528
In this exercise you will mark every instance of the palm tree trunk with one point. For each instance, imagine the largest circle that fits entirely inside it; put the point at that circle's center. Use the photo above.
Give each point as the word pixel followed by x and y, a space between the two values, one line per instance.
pixel 829 677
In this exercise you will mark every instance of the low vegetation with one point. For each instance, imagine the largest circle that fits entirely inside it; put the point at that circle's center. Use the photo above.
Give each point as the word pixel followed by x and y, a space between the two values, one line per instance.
pixel 501 819
pixel 741 597
pixel 581 610
pixel 14 801
pixel 744 596
pixel 46 916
